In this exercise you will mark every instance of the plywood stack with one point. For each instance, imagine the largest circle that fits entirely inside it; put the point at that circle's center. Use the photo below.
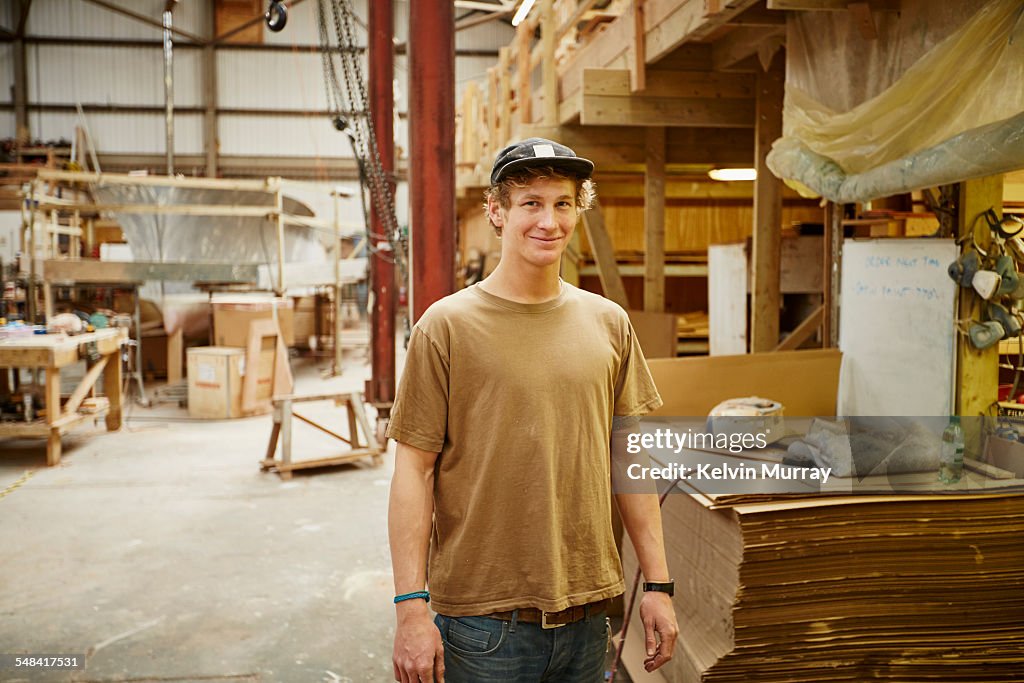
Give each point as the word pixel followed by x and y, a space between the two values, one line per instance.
pixel 896 588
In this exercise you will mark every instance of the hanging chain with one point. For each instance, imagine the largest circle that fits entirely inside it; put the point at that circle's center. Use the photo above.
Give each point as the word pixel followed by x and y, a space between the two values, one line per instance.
pixel 356 119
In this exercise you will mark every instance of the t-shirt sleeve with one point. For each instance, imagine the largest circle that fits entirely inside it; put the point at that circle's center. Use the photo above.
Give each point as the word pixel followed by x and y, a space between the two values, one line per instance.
pixel 635 392
pixel 419 417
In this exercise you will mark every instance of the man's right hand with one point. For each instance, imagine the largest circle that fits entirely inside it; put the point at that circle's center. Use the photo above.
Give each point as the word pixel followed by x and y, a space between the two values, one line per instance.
pixel 419 653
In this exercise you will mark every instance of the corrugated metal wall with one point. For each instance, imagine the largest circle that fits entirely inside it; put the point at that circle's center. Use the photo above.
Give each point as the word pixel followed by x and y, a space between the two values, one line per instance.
pixel 246 78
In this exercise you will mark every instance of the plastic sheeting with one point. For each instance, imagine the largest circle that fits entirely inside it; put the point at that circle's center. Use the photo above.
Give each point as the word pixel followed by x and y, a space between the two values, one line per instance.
pixel 173 238
pixel 955 114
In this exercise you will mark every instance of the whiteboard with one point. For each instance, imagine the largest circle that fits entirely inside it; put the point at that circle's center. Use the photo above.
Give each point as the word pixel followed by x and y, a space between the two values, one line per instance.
pixel 896 327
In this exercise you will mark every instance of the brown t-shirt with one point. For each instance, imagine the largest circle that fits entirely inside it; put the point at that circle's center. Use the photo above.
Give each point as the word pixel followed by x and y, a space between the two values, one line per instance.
pixel 518 400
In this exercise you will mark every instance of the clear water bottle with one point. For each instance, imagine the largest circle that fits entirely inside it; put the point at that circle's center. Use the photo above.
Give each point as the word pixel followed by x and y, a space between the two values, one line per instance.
pixel 951 457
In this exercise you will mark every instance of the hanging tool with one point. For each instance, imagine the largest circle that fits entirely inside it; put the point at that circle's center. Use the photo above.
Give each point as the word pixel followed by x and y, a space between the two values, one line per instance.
pixel 276 16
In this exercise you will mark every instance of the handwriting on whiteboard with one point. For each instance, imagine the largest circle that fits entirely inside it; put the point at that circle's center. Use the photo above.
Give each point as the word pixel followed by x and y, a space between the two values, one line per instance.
pixel 868 289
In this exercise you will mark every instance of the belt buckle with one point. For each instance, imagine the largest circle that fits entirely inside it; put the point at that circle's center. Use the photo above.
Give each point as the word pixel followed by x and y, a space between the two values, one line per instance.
pixel 544 621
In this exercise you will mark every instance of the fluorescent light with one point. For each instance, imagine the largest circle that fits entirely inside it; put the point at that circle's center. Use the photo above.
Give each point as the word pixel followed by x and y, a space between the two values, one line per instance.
pixel 731 174
pixel 521 13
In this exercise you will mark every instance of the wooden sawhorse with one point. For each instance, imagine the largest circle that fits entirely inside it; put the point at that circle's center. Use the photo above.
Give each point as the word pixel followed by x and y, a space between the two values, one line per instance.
pixel 282 429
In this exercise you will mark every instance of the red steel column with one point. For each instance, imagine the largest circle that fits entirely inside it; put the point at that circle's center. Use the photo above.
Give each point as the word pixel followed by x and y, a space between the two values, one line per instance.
pixel 380 388
pixel 431 151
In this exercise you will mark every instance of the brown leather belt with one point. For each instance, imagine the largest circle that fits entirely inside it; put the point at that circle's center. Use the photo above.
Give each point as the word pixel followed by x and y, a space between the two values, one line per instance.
pixel 570 615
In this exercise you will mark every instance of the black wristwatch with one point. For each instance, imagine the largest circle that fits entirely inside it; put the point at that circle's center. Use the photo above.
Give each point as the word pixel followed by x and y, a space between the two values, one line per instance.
pixel 661 587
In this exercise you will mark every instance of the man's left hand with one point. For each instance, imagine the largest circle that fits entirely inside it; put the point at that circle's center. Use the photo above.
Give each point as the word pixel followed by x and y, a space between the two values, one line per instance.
pixel 660 628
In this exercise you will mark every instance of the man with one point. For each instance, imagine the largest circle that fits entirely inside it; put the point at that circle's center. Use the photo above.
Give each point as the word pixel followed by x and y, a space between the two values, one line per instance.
pixel 504 417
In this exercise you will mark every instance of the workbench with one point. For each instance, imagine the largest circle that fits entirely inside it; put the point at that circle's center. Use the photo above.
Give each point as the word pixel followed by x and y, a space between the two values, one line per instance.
pixel 51 352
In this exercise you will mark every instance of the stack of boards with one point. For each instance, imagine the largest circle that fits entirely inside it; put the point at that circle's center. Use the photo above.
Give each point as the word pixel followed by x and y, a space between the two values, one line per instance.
pixel 851 588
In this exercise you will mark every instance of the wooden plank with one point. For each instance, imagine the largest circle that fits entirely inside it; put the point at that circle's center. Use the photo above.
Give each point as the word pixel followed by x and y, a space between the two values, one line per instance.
pixel 574 18
pixel 685 22
pixel 638 61
pixel 830 5
pixel 258 330
pixel 604 254
pixel 85 386
pixel 977 372
pixel 670 83
pixel 284 467
pixel 767 233
pixel 493 142
pixel 759 15
pixel 666 111
pixel 654 221
pixel 317 425
pixel 505 92
pixel 800 268
pixel 803 331
pixel 523 72
pixel 860 12
pixel 549 70
pixel 112 388
pixel 743 42
pixel 175 351
pixel 830 271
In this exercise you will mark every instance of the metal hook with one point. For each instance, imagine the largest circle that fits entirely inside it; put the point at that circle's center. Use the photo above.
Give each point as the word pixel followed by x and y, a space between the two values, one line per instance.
pixel 276 16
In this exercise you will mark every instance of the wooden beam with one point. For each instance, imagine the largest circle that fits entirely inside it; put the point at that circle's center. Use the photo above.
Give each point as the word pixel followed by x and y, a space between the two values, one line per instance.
pixel 654 221
pixel 494 143
pixel 977 372
pixel 670 83
pixel 802 332
pixel 574 18
pixel 671 23
pixel 638 60
pixel 832 245
pixel 505 92
pixel 831 5
pixel 615 147
pixel 666 111
pixel 549 70
pixel 767 233
pixel 470 22
pixel 523 76
pixel 758 15
pixel 861 14
pixel 21 124
pixel 604 256
pixel 742 42
pixel 86 385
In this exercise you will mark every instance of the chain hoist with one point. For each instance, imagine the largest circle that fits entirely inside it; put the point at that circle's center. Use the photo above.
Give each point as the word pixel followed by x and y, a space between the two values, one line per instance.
pixel 350 113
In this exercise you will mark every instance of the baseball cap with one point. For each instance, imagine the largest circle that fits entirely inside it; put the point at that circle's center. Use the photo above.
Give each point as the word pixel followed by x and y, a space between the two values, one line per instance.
pixel 533 152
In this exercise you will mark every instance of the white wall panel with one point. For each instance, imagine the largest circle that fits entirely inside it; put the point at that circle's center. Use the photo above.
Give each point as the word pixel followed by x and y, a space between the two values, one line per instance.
pixel 6 72
pixel 7 124
pixel 124 133
pixel 489 36
pixel 281 136
pixel 251 79
pixel 77 18
pixel 110 75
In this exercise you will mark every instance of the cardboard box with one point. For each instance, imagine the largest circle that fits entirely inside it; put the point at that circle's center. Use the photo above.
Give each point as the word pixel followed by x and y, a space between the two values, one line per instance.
pixel 215 377
pixel 1005 454
pixel 232 315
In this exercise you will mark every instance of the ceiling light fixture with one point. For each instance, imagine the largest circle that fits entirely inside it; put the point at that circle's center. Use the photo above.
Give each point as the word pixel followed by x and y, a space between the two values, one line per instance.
pixel 732 174
pixel 521 13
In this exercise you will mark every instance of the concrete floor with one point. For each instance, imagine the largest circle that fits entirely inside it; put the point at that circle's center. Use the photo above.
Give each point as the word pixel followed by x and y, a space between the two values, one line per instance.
pixel 161 552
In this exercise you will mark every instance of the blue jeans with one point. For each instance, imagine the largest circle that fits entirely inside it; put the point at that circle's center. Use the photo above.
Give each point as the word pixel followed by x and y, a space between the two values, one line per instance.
pixel 482 650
